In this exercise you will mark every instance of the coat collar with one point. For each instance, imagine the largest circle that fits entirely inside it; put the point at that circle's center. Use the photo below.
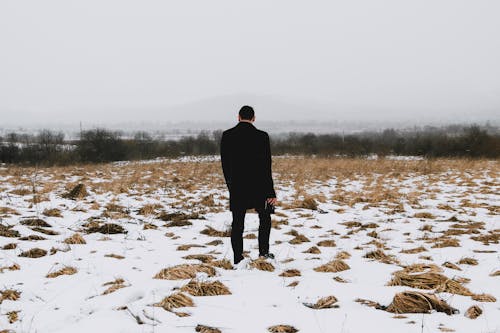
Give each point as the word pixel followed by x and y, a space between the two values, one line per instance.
pixel 244 123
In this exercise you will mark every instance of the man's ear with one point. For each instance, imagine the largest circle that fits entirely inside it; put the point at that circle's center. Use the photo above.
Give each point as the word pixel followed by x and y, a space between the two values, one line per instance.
pixel 239 118
pixel 253 119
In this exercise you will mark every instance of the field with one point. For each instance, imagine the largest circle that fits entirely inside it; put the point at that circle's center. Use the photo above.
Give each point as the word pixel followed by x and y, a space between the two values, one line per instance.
pixel 361 245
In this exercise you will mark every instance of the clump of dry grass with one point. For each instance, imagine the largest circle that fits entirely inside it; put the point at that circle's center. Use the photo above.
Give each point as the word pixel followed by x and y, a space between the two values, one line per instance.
pixel 495 273
pixel 417 302
pixel 224 263
pixel 206 329
pixel 446 242
pixel 5 211
pixel 9 294
pixel 33 253
pixel 198 288
pixel 308 203
pixel 53 212
pixel 298 238
pixel 429 280
pixel 421 267
pixel 67 270
pixel 323 303
pixel 293 284
pixel 484 298
pixel 7 231
pixel 113 255
pixel 32 238
pixel 45 231
pixel 468 261
pixel 12 316
pixel 149 209
pixel 340 279
pixel 313 250
pixel 343 255
pixel 262 265
pixel 333 266
pixel 424 215
pixel 184 271
pixel 186 247
pixel 113 286
pixel 75 239
pixel 149 226
pixel 13 267
pixel 174 301
pixel 473 312
pixel 451 265
pixel 381 256
pixel 204 258
pixel 327 243
pixel 106 228
pixel 282 329
pixel 78 192
pixel 35 222
pixel 290 273
pixel 9 246
pixel 209 231
pixel 414 250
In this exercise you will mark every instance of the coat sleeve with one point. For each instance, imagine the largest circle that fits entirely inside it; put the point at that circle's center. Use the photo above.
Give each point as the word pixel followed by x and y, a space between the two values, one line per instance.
pixel 269 173
pixel 225 157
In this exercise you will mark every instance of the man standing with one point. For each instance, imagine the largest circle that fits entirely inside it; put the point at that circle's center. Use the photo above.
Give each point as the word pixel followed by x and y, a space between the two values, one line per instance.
pixel 246 163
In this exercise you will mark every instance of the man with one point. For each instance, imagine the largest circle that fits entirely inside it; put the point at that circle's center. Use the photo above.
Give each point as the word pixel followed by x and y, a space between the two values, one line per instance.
pixel 246 163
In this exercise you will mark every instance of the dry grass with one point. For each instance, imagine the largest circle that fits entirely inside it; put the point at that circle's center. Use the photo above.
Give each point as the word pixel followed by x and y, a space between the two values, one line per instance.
pixel 204 258
pixel 327 243
pixel 417 302
pixel 174 301
pixel 473 312
pixel 106 228
pixel 33 253
pixel 224 263
pixel 186 247
pixel 9 294
pixel 9 246
pixel 53 212
pixel 290 273
pixel 77 193
pixel 324 303
pixel 185 271
pixel 113 286
pixel 209 231
pixel 414 250
pixel 75 239
pixel 115 256
pixel 451 265
pixel 468 261
pixel 12 316
pixel 35 222
pixel 7 231
pixel 262 265
pixel 380 255
pixel 13 267
pixel 67 270
pixel 206 329
pixel 282 329
pixel 484 298
pixel 495 273
pixel 333 266
pixel 198 288
pixel 429 280
pixel 313 250
pixel 149 209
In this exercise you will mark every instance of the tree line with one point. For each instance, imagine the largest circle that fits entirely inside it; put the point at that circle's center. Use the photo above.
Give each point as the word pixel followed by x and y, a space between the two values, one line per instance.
pixel 101 145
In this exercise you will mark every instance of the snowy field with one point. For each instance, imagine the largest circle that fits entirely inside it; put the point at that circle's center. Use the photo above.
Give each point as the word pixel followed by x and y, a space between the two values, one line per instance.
pixel 103 257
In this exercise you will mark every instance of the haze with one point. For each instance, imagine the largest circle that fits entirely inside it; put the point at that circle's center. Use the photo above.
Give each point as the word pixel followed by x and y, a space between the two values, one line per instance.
pixel 120 60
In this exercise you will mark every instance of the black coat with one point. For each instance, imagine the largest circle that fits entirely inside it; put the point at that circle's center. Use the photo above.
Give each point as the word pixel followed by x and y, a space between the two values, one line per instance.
pixel 246 163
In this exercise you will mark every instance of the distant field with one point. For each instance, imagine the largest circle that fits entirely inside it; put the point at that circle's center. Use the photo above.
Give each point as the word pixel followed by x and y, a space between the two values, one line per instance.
pixel 144 247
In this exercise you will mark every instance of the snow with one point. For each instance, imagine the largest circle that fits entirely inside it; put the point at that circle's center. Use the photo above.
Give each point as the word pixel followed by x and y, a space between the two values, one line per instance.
pixel 73 303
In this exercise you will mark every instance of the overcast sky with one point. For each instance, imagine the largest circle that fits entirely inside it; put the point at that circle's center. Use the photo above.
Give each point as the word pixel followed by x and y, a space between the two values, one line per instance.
pixel 85 58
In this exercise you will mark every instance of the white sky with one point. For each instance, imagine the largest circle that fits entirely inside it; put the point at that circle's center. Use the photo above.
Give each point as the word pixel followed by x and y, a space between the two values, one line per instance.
pixel 86 57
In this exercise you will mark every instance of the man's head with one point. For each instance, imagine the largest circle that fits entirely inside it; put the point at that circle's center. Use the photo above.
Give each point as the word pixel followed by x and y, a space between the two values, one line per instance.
pixel 246 114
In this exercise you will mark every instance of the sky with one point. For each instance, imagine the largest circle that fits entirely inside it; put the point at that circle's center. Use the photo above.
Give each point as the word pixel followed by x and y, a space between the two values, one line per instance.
pixel 148 59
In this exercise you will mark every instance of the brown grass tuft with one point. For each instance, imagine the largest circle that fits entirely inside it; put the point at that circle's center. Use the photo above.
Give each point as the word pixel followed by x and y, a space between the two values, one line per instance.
pixel 34 253
pixel 313 250
pixel 35 222
pixel 9 246
pixel 473 312
pixel 54 212
pixel 417 302
pixel 224 263
pixel 309 203
pixel 414 250
pixel 113 286
pixel 290 273
pixel 75 239
pixel 7 231
pixel 206 329
pixel 484 298
pixel 107 228
pixel 429 280
pixel 9 294
pixel 380 255
pixel 327 243
pixel 451 265
pixel 495 273
pixel 78 192
pixel 184 271
pixel 262 265
pixel 198 288
pixel 209 231
pixel 333 266
pixel 323 303
pixel 174 301
pixel 204 258
pixel 67 270
pixel 282 329
pixel 468 261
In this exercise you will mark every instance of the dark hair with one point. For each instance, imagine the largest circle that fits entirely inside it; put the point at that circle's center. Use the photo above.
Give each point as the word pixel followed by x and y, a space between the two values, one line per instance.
pixel 246 112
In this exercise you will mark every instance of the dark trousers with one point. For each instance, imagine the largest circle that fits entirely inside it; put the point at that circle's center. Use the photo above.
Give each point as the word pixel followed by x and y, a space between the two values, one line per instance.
pixel 237 233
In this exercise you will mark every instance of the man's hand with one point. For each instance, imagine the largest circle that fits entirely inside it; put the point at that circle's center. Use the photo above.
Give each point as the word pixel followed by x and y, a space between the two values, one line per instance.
pixel 272 201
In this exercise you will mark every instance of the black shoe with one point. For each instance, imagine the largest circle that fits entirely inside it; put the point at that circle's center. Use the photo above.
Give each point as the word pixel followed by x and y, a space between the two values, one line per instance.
pixel 267 256
pixel 236 261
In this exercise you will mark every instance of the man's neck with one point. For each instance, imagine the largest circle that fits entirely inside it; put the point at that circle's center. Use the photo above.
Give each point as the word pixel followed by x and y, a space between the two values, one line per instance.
pixel 246 121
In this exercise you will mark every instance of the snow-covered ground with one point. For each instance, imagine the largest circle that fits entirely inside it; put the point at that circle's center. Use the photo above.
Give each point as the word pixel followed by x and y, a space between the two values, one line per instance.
pixel 391 212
